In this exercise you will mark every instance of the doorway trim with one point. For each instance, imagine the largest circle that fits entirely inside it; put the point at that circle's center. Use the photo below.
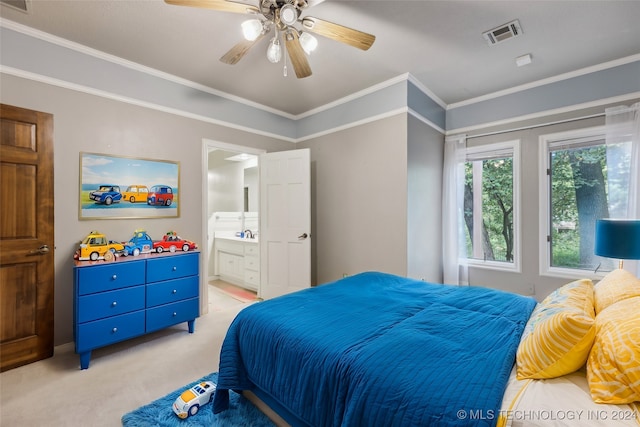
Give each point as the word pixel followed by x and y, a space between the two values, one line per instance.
pixel 208 145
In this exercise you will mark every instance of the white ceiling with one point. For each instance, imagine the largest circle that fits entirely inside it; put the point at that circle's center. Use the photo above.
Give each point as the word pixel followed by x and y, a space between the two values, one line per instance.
pixel 439 43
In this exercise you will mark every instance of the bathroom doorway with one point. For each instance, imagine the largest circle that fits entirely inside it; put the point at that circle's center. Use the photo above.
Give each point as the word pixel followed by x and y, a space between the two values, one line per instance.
pixel 230 204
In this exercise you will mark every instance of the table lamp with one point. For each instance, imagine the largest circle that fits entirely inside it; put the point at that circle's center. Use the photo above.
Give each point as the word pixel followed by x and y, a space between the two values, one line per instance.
pixel 618 238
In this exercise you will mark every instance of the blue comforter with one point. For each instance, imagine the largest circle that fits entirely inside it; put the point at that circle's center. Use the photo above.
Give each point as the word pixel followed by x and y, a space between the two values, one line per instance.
pixel 376 349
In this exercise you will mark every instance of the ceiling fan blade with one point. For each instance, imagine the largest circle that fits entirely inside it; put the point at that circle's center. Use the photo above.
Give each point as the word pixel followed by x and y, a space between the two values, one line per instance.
pixel 311 3
pixel 221 5
pixel 338 32
pixel 237 52
pixel 297 55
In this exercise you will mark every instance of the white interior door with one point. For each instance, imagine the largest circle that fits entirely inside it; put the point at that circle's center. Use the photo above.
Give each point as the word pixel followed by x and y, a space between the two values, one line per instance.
pixel 285 222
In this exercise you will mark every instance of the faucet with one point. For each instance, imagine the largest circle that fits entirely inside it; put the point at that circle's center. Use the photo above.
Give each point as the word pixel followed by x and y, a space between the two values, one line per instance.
pixel 248 234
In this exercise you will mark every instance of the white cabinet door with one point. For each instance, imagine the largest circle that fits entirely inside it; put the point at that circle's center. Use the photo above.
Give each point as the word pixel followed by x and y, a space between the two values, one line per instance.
pixel 285 222
pixel 231 267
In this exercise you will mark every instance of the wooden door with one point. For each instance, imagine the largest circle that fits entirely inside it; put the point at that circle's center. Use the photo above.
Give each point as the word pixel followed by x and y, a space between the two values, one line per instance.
pixel 285 222
pixel 26 236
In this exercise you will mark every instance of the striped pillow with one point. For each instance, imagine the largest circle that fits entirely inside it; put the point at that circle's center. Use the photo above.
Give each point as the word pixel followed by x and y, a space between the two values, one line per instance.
pixel 559 334
pixel 613 367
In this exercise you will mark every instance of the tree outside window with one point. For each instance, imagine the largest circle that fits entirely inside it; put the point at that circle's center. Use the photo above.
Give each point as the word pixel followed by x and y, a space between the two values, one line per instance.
pixel 580 192
pixel 490 205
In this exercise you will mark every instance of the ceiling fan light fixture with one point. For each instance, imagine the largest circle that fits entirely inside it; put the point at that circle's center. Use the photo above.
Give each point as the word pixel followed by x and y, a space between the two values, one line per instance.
pixel 251 29
pixel 288 14
pixel 308 42
pixel 274 51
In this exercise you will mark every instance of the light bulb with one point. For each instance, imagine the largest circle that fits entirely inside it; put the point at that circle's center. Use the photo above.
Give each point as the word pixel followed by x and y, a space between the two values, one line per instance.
pixel 251 29
pixel 274 51
pixel 308 42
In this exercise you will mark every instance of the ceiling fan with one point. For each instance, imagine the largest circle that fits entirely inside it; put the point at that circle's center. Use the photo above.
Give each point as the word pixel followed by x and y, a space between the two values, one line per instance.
pixel 284 18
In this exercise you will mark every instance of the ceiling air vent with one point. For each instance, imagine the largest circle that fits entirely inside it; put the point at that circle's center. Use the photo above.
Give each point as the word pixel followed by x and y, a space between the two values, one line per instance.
pixel 21 5
pixel 503 32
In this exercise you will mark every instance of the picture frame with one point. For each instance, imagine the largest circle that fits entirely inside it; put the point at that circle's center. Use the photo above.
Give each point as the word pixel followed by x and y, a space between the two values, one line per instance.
pixel 119 187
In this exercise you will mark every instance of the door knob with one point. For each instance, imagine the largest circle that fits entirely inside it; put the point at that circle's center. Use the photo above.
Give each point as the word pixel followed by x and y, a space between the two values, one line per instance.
pixel 44 249
pixel 302 236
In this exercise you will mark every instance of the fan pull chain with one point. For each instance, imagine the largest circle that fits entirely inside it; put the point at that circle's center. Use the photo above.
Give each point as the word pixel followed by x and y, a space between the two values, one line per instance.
pixel 284 70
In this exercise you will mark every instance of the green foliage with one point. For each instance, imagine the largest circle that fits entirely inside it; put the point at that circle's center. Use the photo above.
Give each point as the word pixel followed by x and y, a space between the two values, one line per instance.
pixel 497 207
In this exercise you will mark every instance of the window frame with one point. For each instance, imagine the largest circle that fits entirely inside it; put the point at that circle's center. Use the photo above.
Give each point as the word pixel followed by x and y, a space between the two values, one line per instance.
pixel 546 141
pixel 495 150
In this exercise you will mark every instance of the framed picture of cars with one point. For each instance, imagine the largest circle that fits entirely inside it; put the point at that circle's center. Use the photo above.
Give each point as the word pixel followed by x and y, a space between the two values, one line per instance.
pixel 114 187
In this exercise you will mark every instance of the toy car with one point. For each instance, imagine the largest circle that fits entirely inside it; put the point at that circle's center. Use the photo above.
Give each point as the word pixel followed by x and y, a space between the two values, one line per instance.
pixel 140 243
pixel 136 193
pixel 171 241
pixel 160 195
pixel 106 194
pixel 96 246
pixel 189 402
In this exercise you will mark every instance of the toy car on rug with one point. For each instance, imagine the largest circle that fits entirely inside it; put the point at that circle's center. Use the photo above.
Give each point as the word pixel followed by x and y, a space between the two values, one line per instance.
pixel 140 243
pixel 96 246
pixel 189 402
pixel 171 242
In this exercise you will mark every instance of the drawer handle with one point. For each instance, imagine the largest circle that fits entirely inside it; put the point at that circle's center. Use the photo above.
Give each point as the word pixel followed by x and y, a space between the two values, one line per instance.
pixel 175 314
pixel 113 304
pixel 175 291
pixel 114 330
pixel 114 277
pixel 175 268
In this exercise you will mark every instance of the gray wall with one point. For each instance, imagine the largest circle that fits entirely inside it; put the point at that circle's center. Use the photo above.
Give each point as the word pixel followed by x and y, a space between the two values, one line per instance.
pixel 528 135
pixel 87 123
pixel 359 199
pixel 425 157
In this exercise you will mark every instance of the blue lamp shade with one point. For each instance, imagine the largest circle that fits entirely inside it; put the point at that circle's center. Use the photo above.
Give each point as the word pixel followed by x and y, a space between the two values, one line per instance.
pixel 618 238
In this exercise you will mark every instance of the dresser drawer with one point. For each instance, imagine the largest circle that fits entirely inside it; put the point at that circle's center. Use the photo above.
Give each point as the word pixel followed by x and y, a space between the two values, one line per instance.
pixel 172 291
pixel 107 331
pixel 110 303
pixel 170 314
pixel 172 267
pixel 110 276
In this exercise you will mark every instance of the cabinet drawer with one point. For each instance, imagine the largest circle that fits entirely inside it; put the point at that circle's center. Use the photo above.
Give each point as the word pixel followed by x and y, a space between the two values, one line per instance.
pixel 172 290
pixel 252 279
pixel 229 246
pixel 110 276
pixel 107 331
pixel 170 314
pixel 251 249
pixel 252 263
pixel 110 303
pixel 172 267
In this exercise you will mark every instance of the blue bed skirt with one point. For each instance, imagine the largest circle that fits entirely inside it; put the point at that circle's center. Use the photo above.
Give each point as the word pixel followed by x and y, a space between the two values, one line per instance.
pixel 376 349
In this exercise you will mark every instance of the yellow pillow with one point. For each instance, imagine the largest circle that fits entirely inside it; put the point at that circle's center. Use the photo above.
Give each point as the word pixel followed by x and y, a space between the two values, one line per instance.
pixel 614 287
pixel 613 367
pixel 559 334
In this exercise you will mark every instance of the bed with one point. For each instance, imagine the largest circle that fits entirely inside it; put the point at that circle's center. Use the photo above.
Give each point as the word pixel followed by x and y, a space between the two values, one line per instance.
pixel 376 349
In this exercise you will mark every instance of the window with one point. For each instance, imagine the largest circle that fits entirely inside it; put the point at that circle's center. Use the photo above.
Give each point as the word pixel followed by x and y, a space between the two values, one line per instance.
pixel 491 205
pixel 575 192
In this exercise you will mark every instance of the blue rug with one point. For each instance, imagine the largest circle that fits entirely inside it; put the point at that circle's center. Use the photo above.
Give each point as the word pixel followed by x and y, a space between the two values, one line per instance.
pixel 241 412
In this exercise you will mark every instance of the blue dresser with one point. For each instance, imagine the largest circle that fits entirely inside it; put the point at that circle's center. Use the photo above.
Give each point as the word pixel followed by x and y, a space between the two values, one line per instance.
pixel 115 301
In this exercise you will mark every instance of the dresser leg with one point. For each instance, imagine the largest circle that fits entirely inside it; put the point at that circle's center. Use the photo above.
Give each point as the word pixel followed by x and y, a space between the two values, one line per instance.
pixel 85 358
pixel 191 324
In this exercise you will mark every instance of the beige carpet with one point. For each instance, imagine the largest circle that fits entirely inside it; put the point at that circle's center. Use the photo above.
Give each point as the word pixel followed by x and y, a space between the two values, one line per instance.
pixel 55 392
